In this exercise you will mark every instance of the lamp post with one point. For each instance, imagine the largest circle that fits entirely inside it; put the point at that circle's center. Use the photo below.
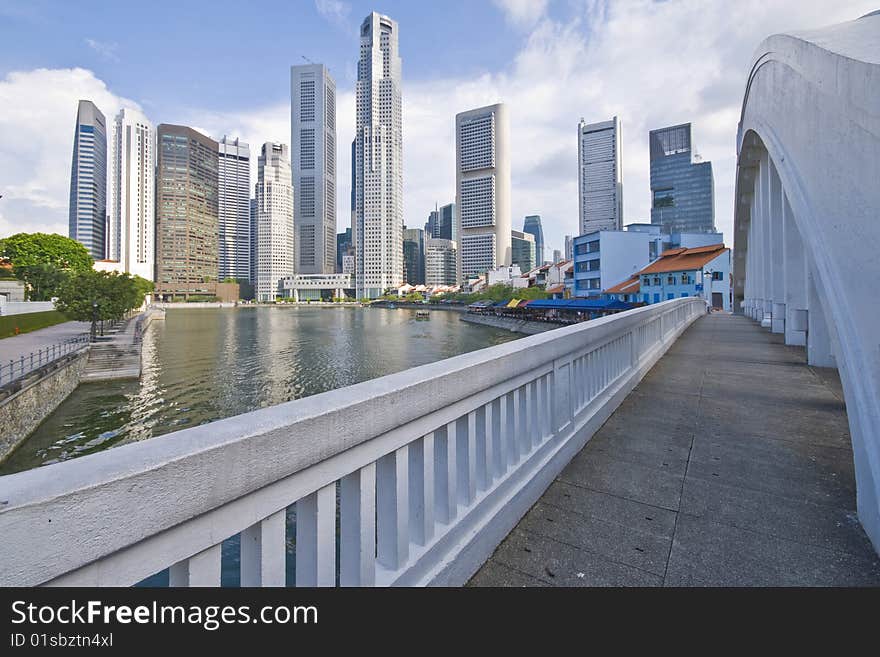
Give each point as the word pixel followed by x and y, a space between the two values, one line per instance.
pixel 706 290
pixel 94 320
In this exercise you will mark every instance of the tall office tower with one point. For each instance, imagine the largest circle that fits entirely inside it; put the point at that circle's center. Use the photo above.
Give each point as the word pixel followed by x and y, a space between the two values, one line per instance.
pixel 557 256
pixel 131 229
pixel 414 256
pixel 482 181
pixel 343 248
pixel 441 266
pixel 186 212
pixel 600 181
pixel 522 247
pixel 313 159
pixel 234 209
pixel 682 191
pixel 432 224
pixel 441 223
pixel 378 229
pixel 88 180
pixel 532 226
pixel 253 214
pixel 569 247
pixel 275 228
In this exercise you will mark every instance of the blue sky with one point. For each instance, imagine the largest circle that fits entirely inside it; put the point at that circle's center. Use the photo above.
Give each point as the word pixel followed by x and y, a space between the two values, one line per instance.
pixel 222 66
pixel 233 54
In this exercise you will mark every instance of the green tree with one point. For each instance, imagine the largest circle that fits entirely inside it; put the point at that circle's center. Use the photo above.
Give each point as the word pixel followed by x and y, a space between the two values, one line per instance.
pixel 42 261
pixel 115 294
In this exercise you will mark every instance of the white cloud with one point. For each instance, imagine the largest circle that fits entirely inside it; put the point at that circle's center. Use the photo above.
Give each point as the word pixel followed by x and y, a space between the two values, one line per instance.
pixel 522 13
pixel 105 49
pixel 651 64
pixel 36 130
pixel 336 12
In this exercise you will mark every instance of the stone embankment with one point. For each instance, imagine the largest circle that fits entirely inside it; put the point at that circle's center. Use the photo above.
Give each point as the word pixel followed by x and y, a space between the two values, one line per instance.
pixel 26 402
pixel 510 324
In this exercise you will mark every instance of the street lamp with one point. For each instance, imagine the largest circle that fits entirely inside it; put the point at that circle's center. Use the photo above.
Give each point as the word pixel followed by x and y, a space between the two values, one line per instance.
pixel 94 320
pixel 706 288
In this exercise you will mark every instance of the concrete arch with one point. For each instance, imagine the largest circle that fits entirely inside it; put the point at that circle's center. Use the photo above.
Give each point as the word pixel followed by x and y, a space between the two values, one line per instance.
pixel 807 216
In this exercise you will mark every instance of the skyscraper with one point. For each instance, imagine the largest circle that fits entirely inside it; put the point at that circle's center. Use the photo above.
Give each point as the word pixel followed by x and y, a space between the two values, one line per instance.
pixel 532 226
pixel 313 159
pixel 131 229
pixel 274 198
pixel 569 247
pixel 682 191
pixel 557 256
pixel 378 229
pixel 414 256
pixel 186 212
pixel 344 247
pixel 440 262
pixel 234 201
pixel 482 181
pixel 523 250
pixel 600 182
pixel 441 223
pixel 88 180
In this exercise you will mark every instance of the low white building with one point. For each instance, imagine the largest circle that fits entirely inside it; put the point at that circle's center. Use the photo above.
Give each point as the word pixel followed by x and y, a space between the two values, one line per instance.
pixel 503 275
pixel 308 287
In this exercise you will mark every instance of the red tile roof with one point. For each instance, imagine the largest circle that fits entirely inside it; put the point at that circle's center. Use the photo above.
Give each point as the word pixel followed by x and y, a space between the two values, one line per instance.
pixel 629 286
pixel 684 259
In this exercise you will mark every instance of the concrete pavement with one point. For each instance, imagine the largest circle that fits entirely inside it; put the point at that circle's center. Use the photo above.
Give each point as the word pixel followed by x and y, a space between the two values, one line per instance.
pixel 730 464
pixel 18 345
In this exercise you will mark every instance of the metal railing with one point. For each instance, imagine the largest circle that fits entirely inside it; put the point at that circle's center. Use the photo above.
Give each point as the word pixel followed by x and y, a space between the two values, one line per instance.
pixel 16 368
pixel 414 478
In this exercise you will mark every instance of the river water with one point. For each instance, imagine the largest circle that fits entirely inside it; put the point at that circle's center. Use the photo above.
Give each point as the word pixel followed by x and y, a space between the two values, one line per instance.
pixel 201 365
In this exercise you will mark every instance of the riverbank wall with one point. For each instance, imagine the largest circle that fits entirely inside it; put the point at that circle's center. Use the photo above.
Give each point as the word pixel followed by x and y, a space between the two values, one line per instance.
pixel 509 323
pixel 26 402
pixel 408 305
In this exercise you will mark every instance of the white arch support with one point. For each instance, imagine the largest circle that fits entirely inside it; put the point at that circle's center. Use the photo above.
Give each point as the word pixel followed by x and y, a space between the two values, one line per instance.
pixel 807 216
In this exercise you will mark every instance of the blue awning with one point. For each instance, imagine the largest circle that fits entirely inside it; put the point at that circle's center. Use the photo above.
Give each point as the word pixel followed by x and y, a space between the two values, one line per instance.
pixel 576 305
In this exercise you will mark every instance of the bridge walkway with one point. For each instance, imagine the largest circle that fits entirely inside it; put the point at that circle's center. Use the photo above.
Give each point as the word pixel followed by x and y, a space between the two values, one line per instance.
pixel 730 464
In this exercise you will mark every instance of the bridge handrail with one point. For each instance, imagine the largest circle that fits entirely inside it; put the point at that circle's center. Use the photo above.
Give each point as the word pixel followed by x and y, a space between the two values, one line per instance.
pixel 445 458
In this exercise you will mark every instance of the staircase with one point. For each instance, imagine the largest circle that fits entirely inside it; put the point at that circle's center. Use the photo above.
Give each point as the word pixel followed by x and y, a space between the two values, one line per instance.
pixel 117 355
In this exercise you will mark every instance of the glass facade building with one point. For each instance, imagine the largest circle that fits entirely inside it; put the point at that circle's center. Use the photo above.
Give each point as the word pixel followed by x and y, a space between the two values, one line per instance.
pixel 522 248
pixel 88 180
pixel 441 223
pixel 414 256
pixel 532 225
pixel 682 191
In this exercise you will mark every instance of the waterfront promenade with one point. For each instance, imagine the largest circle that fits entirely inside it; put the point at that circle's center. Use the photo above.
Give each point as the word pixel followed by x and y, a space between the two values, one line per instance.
pixel 730 464
pixel 18 345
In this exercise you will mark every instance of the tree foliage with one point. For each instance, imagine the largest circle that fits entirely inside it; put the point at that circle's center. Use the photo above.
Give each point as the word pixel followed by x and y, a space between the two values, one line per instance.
pixel 499 292
pixel 42 261
pixel 115 294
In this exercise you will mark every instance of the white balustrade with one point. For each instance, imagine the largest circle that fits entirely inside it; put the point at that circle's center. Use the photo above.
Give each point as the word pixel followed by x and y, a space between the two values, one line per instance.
pixel 411 479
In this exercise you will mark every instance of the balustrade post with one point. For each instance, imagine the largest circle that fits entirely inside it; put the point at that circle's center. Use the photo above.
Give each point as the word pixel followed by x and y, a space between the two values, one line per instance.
pixel 316 538
pixel 263 552
pixel 392 512
pixel 202 569
pixel 357 519
pixel 421 490
pixel 467 457
pixel 446 469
